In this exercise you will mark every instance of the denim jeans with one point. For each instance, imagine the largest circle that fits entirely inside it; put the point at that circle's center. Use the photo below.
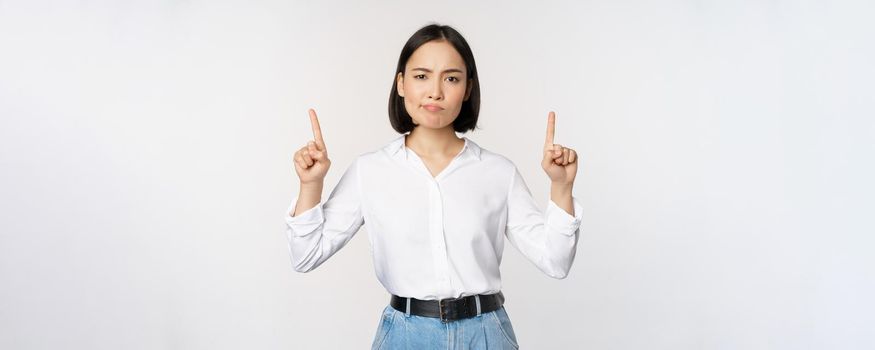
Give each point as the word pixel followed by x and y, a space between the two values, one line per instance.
pixel 490 330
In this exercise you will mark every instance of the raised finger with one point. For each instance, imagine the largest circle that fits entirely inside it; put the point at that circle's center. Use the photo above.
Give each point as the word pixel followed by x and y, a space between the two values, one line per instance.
pixel 317 131
pixel 551 129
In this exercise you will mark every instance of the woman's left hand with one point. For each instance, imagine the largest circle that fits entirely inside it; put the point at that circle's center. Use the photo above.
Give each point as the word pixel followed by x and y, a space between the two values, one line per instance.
pixel 560 163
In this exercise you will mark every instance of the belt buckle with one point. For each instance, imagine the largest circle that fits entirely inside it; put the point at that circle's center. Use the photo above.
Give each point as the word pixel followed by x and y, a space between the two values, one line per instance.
pixel 441 311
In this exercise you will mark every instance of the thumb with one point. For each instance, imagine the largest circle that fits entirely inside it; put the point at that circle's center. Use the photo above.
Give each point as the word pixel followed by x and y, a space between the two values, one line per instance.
pixel 549 155
pixel 315 153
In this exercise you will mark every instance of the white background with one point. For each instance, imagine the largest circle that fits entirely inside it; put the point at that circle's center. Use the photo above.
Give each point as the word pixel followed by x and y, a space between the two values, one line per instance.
pixel 726 175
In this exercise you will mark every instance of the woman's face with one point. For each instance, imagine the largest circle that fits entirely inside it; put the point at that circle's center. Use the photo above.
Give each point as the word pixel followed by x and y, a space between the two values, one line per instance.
pixel 434 85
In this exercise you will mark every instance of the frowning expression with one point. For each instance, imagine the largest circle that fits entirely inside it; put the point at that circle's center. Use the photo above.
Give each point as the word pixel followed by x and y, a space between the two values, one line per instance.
pixel 434 84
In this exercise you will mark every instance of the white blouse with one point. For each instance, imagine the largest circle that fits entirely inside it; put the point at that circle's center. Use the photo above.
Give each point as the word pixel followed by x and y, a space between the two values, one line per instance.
pixel 435 237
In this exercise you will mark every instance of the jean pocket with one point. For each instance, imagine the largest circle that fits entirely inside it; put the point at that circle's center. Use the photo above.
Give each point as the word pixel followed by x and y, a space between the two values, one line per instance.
pixel 386 321
pixel 502 320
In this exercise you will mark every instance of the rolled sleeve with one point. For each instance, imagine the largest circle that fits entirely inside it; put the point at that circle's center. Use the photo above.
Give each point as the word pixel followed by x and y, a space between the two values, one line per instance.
pixel 306 222
pixel 560 221
pixel 547 238
pixel 319 232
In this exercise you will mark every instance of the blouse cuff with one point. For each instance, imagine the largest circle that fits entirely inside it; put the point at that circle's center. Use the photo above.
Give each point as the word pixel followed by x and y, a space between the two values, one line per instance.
pixel 306 222
pixel 559 220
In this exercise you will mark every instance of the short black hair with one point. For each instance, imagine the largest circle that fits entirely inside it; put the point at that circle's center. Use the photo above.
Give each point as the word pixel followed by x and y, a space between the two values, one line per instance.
pixel 467 119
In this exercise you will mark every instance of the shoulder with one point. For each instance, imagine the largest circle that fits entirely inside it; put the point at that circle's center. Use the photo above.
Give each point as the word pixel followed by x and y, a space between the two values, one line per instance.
pixel 490 158
pixel 494 165
pixel 380 154
pixel 497 160
pixel 495 168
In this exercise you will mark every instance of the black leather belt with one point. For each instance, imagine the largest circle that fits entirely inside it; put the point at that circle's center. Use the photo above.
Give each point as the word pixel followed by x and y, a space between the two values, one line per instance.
pixel 449 309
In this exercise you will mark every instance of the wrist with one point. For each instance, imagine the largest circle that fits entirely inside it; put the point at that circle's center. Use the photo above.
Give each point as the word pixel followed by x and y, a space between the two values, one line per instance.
pixel 312 186
pixel 562 186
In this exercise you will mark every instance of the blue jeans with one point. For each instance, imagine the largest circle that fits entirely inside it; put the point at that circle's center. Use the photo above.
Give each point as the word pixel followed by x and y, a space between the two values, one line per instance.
pixel 490 330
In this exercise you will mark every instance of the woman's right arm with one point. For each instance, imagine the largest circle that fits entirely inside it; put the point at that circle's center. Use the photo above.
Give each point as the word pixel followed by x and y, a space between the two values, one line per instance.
pixel 315 230
pixel 311 165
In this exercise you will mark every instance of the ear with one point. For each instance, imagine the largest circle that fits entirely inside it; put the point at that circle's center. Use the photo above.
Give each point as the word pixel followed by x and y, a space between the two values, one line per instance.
pixel 399 83
pixel 468 89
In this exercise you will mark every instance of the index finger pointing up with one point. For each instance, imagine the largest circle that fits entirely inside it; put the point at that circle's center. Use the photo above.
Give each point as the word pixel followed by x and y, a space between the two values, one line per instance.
pixel 551 129
pixel 317 132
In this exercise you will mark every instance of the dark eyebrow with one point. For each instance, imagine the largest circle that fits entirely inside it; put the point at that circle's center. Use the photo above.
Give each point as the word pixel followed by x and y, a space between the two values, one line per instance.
pixel 451 70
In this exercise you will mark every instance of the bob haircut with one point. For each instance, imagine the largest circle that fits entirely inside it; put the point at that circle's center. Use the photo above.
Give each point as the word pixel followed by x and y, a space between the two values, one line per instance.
pixel 467 118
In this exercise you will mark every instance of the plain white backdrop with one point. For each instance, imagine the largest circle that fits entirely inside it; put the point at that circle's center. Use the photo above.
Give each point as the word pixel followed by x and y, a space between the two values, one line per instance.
pixel 726 168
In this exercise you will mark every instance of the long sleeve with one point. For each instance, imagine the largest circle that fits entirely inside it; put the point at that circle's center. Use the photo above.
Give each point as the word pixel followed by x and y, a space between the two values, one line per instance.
pixel 548 239
pixel 319 232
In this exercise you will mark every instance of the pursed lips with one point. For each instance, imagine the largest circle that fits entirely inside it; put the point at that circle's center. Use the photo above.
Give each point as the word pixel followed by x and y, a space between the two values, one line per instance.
pixel 432 108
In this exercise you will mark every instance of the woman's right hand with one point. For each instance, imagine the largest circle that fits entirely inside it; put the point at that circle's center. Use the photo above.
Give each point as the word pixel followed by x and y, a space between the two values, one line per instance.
pixel 311 161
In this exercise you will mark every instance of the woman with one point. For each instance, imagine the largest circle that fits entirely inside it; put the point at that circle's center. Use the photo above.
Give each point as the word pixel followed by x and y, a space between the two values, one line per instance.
pixel 437 206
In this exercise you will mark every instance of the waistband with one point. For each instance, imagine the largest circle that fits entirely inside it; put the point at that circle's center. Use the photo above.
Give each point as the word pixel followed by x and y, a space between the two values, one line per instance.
pixel 449 309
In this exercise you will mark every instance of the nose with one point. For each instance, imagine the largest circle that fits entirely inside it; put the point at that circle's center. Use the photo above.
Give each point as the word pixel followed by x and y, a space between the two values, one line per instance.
pixel 436 92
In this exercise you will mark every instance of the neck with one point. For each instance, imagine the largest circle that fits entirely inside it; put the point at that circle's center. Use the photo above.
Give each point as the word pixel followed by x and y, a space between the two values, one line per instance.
pixel 434 142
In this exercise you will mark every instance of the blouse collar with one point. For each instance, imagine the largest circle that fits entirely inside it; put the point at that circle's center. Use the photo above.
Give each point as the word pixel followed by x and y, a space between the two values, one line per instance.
pixel 397 145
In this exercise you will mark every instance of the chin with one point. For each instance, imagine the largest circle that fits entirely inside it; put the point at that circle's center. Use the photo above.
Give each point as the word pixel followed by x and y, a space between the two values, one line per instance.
pixel 432 122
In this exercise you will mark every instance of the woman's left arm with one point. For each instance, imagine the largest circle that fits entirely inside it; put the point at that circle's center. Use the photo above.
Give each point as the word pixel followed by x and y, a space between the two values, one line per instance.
pixel 560 164
pixel 548 238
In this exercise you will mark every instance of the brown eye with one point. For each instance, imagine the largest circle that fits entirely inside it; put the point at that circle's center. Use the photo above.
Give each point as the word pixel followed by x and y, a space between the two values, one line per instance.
pixel 419 76
pixel 454 79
